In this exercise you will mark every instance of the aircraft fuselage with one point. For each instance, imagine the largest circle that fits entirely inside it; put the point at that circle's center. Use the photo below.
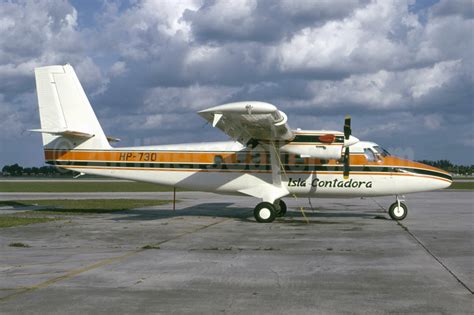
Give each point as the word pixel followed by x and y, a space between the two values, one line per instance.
pixel 233 169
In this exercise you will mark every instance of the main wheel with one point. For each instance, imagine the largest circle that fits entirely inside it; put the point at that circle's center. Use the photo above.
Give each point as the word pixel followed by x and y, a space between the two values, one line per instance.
pixel 280 208
pixel 398 212
pixel 264 212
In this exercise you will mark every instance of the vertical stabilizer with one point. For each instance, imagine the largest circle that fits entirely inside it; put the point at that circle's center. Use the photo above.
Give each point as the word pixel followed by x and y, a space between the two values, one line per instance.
pixel 65 112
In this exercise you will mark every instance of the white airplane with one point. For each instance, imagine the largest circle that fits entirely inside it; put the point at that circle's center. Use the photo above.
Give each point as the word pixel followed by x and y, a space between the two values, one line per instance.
pixel 267 159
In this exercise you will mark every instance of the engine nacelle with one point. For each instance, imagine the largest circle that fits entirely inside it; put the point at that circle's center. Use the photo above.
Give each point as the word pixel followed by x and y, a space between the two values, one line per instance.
pixel 318 151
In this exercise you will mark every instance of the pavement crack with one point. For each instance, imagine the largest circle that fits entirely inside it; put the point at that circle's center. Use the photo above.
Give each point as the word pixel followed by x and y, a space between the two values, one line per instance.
pixel 435 257
pixel 277 277
pixel 231 304
pixel 429 251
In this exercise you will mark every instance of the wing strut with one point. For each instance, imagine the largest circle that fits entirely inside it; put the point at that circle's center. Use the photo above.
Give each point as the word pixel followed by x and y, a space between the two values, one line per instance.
pixel 270 191
pixel 277 169
pixel 276 164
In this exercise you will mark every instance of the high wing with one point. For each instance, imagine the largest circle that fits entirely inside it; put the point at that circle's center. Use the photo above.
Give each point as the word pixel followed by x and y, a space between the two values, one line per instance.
pixel 248 123
pixel 245 121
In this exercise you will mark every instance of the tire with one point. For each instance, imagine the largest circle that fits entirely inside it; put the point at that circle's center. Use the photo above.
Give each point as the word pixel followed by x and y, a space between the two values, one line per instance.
pixel 280 208
pixel 397 213
pixel 264 212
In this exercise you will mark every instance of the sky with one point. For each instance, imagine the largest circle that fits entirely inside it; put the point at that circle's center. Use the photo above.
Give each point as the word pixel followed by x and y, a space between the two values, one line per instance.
pixel 402 69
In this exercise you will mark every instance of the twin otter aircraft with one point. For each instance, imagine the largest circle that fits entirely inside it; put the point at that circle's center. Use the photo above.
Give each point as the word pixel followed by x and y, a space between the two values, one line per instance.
pixel 266 160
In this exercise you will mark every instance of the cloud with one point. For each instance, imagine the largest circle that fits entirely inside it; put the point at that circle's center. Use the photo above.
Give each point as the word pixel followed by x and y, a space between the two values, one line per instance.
pixel 433 121
pixel 38 33
pixel 191 98
pixel 464 8
pixel 261 21
pixel 118 68
pixel 430 88
pixel 148 65
pixel 380 36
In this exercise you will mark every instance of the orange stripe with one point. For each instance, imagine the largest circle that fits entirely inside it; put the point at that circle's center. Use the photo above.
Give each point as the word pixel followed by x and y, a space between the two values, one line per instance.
pixel 253 171
pixel 145 156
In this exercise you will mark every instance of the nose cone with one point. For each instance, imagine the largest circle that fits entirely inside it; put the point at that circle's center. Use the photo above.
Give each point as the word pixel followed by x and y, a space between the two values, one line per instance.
pixel 352 140
pixel 440 178
pixel 447 177
pixel 417 177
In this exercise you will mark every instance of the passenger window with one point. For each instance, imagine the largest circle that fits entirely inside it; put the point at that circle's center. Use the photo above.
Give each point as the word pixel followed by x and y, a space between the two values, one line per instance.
pixel 299 159
pixel 369 155
pixel 256 157
pixel 218 160
pixel 241 157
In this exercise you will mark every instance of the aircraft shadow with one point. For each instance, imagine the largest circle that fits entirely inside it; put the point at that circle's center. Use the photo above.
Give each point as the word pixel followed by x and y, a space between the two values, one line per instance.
pixel 227 210
pixel 219 210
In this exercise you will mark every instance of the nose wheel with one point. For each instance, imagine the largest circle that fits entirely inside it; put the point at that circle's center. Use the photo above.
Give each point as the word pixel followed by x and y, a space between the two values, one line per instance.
pixel 398 210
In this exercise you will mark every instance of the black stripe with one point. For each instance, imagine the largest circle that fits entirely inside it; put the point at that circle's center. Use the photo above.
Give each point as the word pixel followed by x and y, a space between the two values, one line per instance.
pixel 165 165
pixel 429 172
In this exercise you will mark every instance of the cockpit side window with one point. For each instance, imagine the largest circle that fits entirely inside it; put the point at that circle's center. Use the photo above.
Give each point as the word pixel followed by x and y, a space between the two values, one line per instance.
pixel 381 151
pixel 369 155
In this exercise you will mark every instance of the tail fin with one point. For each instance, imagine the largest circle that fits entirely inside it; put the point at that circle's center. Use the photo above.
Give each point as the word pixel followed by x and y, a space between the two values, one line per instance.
pixel 65 112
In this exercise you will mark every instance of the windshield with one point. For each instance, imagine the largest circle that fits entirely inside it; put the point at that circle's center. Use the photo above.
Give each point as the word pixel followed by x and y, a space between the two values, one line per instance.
pixel 381 151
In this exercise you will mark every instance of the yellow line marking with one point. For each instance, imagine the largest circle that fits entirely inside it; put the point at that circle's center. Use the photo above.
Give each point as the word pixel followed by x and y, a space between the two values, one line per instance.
pixel 99 264
pixel 13 289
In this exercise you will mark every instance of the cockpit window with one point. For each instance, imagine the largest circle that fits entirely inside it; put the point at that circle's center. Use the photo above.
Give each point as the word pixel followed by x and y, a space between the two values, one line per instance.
pixel 381 151
pixel 369 154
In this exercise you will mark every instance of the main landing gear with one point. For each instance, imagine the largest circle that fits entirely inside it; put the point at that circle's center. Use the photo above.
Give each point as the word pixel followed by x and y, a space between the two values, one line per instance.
pixel 398 210
pixel 266 212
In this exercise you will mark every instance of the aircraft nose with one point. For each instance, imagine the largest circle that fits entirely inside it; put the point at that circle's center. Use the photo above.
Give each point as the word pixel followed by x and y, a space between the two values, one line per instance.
pixel 442 178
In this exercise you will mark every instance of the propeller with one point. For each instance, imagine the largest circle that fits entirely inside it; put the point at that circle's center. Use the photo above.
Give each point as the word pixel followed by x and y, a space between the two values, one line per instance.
pixel 347 127
pixel 347 135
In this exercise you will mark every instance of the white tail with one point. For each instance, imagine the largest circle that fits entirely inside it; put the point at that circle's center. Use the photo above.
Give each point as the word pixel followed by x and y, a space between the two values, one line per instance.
pixel 65 112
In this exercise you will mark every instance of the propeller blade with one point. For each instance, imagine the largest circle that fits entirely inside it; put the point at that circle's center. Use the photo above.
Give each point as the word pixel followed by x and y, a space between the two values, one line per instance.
pixel 347 127
pixel 346 163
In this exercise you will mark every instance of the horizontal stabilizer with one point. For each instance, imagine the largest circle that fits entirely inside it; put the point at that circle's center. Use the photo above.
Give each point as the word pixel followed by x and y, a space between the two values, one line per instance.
pixel 64 133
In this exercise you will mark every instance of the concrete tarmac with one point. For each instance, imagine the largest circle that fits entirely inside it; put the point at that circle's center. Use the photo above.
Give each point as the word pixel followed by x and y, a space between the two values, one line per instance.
pixel 214 258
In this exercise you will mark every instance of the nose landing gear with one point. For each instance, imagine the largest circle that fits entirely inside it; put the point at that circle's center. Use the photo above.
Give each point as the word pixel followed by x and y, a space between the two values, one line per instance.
pixel 398 210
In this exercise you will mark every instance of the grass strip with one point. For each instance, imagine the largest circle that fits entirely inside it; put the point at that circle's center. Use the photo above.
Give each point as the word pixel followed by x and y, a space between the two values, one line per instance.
pixel 51 209
pixel 81 206
pixel 19 244
pixel 10 220
pixel 462 185
pixel 45 186
pixel 151 246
